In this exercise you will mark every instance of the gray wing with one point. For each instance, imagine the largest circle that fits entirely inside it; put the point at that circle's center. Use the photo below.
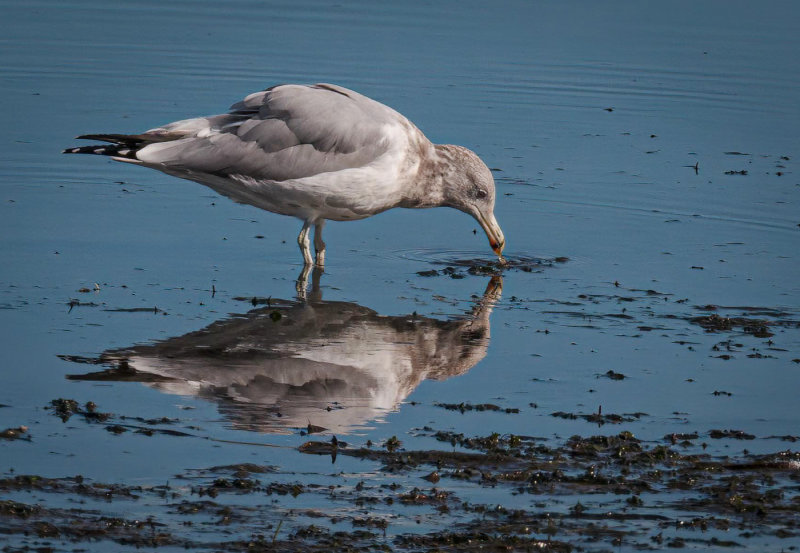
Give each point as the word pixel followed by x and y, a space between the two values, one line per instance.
pixel 284 132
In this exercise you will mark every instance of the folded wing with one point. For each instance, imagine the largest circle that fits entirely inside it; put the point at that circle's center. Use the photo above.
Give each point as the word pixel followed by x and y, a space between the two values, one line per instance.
pixel 285 132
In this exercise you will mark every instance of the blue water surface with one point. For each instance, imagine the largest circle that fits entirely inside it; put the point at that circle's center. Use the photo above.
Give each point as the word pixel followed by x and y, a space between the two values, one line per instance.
pixel 618 133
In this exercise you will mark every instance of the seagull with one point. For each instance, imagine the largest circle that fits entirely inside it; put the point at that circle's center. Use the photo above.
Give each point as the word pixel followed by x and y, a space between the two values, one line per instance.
pixel 316 152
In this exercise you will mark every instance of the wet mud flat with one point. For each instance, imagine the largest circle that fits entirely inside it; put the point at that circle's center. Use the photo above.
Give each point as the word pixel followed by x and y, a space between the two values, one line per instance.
pixel 469 485
pixel 591 493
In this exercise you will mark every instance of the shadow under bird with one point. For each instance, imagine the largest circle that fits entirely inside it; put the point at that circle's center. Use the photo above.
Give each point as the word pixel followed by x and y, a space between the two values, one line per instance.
pixel 316 152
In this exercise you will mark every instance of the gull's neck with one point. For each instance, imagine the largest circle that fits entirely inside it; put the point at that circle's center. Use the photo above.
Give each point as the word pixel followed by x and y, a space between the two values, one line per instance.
pixel 437 163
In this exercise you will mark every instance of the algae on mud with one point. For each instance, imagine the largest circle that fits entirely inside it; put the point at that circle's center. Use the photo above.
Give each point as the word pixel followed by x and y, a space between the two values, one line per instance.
pixel 596 492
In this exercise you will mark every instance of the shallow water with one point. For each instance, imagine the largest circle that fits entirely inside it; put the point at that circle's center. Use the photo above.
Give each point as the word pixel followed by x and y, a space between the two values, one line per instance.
pixel 611 129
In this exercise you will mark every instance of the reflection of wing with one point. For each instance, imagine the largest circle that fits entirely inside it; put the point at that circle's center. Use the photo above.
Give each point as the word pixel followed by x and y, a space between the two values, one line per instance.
pixel 336 365
pixel 285 132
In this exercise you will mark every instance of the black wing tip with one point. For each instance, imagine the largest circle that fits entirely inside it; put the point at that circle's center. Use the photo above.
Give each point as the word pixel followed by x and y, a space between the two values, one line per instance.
pixel 112 150
pixel 112 138
pixel 95 136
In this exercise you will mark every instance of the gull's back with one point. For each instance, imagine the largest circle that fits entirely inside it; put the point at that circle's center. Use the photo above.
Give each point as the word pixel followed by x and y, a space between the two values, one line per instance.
pixel 285 132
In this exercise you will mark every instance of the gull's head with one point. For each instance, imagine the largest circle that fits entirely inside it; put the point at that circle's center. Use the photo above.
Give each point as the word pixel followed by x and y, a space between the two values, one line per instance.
pixel 469 187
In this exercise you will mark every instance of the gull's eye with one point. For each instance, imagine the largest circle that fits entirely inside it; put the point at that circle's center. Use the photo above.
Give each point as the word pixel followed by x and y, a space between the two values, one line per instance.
pixel 481 193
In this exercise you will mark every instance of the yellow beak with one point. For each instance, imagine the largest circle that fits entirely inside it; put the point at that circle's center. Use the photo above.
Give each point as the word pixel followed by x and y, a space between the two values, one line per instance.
pixel 493 232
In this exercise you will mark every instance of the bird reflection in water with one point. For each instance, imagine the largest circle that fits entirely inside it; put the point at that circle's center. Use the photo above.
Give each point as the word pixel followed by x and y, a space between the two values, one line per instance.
pixel 307 364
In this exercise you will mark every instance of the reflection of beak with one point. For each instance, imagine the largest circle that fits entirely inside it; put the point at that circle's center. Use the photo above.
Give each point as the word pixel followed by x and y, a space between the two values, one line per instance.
pixel 494 289
pixel 490 297
pixel 496 239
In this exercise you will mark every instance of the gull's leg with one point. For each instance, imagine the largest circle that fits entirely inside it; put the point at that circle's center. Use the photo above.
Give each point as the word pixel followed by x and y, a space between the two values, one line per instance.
pixel 305 249
pixel 304 243
pixel 319 245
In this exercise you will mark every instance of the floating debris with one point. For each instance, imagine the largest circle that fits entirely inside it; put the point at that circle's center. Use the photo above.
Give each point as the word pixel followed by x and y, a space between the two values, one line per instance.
pixel 735 434
pixel 615 375
pixel 464 407
pixel 65 408
pixel 717 323
pixel 18 433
